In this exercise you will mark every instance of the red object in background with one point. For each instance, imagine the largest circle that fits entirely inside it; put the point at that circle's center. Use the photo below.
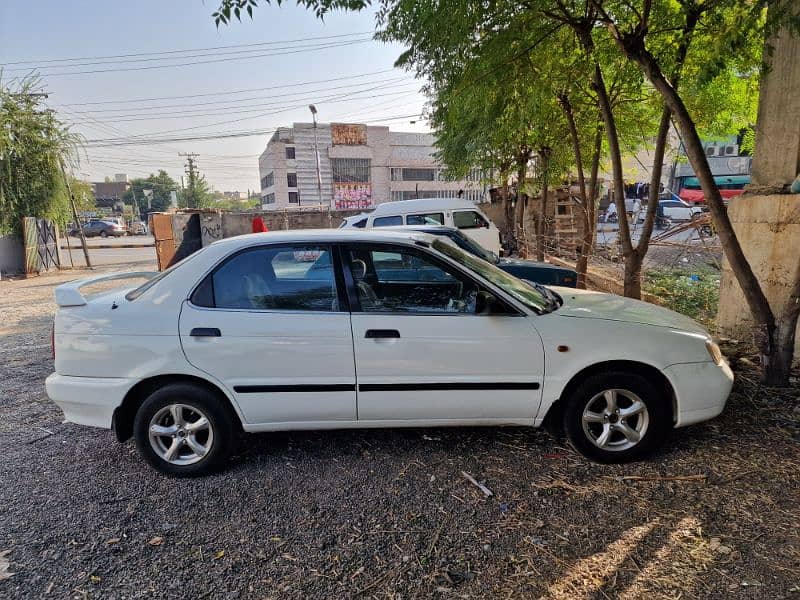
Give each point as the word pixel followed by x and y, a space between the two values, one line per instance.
pixel 696 196
pixel 258 225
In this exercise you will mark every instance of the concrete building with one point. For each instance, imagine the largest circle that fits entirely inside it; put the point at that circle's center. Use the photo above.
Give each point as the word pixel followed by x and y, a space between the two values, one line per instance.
pixel 359 167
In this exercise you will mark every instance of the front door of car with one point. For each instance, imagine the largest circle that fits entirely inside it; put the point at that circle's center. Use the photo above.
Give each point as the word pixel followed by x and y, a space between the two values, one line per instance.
pixel 422 352
pixel 270 325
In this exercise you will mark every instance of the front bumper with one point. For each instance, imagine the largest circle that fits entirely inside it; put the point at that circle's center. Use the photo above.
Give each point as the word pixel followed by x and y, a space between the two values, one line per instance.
pixel 701 390
pixel 88 400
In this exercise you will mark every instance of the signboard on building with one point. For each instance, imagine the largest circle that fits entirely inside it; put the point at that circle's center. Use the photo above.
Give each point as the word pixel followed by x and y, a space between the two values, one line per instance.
pixel 346 134
pixel 349 196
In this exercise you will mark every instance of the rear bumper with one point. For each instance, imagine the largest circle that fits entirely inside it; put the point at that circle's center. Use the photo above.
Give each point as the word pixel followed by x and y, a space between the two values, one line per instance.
pixel 88 400
pixel 701 390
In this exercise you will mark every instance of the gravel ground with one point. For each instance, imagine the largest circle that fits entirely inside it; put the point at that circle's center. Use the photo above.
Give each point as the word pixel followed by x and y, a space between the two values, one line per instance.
pixel 388 514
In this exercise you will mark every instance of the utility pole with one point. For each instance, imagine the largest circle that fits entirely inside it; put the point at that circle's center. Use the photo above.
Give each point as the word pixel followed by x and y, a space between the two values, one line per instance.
pixel 191 171
pixel 313 110
pixel 78 223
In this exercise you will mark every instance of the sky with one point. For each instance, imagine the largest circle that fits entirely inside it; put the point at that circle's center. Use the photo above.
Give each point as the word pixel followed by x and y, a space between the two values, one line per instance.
pixel 121 72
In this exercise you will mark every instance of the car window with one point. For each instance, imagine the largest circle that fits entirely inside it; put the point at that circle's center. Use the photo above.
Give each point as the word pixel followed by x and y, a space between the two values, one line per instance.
pixel 405 280
pixel 360 224
pixel 292 277
pixel 469 219
pixel 425 219
pixel 387 221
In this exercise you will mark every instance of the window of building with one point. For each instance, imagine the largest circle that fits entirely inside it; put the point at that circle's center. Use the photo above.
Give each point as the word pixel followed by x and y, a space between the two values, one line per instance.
pixel 291 179
pixel 290 152
pixel 425 219
pixel 468 219
pixel 268 180
pixel 351 170
pixel 294 197
pixel 402 280
pixel 268 199
pixel 273 278
pixel 419 174
pixel 387 221
pixel 414 194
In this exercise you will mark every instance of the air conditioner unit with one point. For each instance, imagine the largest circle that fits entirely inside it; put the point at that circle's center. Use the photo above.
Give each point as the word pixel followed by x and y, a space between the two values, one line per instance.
pixel 711 150
pixel 732 150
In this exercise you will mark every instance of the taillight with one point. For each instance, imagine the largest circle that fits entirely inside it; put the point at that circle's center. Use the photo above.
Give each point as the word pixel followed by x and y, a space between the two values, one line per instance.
pixel 53 340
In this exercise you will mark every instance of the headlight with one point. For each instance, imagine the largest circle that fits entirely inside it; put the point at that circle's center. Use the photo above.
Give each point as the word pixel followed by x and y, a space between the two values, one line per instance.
pixel 714 352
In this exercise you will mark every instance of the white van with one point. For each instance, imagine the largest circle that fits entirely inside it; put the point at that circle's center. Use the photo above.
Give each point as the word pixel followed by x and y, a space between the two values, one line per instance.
pixel 452 212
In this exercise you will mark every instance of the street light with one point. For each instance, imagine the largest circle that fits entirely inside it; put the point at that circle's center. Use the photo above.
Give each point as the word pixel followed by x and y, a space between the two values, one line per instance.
pixel 313 110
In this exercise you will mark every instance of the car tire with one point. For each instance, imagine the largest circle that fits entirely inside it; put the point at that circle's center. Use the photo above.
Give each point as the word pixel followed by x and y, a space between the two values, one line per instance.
pixel 103 234
pixel 197 443
pixel 616 417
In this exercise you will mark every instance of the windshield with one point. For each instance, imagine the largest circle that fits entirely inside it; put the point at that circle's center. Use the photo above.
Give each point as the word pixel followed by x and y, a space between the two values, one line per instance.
pixel 517 288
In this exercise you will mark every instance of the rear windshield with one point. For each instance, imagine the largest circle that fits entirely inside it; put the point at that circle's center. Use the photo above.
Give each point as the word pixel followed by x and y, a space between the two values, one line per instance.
pixel 134 294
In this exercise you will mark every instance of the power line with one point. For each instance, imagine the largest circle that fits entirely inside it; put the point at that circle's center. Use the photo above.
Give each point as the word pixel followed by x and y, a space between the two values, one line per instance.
pixel 111 142
pixel 279 108
pixel 320 37
pixel 232 53
pixel 330 100
pixel 229 92
pixel 205 62
pixel 112 111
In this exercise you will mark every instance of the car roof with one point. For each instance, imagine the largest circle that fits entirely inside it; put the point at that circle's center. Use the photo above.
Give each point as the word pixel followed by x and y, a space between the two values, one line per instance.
pixel 404 206
pixel 406 236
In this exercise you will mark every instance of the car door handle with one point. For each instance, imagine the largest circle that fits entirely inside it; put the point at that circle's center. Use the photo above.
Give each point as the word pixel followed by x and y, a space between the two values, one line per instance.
pixel 205 332
pixel 382 333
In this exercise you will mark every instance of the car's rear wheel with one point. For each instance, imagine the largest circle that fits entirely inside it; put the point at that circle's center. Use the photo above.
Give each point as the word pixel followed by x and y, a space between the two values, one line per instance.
pixel 103 234
pixel 616 417
pixel 183 430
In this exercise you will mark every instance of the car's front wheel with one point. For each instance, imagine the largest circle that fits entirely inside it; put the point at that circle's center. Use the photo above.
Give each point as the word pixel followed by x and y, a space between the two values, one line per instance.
pixel 616 417
pixel 103 234
pixel 183 430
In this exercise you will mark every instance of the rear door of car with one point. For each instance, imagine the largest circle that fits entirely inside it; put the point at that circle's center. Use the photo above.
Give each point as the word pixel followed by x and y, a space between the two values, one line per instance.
pixel 272 324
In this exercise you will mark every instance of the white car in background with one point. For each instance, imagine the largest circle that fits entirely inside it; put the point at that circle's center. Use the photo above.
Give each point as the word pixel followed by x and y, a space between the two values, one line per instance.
pixel 450 212
pixel 678 210
pixel 355 328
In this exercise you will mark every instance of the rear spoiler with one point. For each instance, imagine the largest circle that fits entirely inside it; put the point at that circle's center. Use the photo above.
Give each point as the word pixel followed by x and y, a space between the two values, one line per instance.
pixel 69 294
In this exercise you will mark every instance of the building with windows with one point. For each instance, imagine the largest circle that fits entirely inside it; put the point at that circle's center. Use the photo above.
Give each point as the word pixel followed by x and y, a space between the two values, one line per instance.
pixel 353 166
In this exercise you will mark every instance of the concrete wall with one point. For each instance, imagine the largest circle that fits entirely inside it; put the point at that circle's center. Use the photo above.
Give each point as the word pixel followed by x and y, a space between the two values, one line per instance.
pixel 768 228
pixel 12 254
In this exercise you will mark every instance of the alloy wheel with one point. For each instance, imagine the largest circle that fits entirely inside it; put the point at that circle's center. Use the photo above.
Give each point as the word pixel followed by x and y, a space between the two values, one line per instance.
pixel 181 434
pixel 615 420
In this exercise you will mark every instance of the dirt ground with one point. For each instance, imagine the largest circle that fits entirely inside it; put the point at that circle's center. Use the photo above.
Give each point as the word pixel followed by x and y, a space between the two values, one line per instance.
pixel 389 514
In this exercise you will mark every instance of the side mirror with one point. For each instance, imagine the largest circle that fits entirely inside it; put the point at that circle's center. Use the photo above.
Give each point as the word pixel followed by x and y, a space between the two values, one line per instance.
pixel 484 302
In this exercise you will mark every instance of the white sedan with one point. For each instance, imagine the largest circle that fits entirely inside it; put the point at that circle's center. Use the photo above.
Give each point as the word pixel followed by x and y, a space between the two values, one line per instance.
pixel 351 328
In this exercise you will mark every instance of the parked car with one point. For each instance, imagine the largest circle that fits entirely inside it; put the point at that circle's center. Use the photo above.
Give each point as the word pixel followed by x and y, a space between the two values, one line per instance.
pixel 678 210
pixel 335 329
pixel 451 212
pixel 524 269
pixel 97 227
pixel 138 228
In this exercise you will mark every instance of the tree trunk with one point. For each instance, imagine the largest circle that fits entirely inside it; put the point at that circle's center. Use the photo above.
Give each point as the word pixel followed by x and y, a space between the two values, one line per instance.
pixel 544 155
pixel 655 184
pixel 763 317
pixel 587 204
pixel 519 213
pixel 624 232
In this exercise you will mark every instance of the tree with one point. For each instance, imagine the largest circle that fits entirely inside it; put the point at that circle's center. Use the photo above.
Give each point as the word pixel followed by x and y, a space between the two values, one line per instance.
pixel 196 195
pixel 730 24
pixel 161 185
pixel 33 146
